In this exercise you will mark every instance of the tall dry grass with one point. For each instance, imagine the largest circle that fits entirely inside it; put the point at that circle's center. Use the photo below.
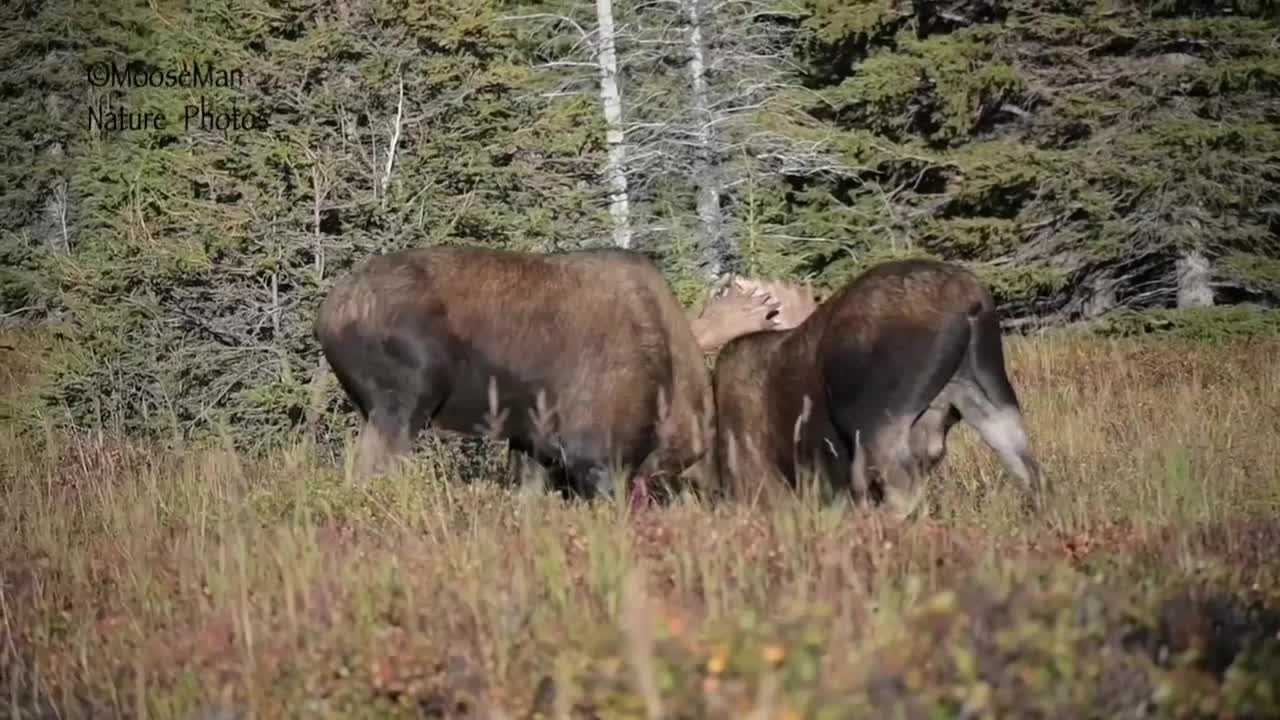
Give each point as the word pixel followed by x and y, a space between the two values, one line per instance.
pixel 201 583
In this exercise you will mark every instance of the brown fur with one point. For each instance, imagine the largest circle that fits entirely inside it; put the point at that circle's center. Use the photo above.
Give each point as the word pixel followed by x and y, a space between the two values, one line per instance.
pixel 420 336
pixel 889 363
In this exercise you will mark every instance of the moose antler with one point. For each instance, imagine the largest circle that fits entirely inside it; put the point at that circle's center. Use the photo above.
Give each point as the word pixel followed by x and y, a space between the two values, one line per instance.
pixel 733 312
pixel 796 302
pixel 740 306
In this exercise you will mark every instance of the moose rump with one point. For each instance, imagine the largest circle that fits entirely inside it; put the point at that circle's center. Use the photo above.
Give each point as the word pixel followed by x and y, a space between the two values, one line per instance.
pixel 866 389
pixel 572 357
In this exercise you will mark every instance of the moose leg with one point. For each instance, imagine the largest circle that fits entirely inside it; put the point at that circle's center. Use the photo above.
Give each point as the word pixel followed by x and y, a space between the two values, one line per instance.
pixel 1001 428
pixel 883 468
pixel 929 431
pixel 900 470
pixel 859 485
pixel 744 472
pixel 883 390
pixel 989 402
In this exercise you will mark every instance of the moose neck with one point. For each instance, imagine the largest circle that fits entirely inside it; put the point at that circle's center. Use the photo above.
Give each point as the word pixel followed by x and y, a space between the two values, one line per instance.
pixel 800 345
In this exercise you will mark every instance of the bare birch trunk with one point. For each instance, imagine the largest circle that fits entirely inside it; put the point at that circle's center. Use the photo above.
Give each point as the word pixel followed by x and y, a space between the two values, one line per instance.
pixel 1194 281
pixel 615 171
pixel 706 169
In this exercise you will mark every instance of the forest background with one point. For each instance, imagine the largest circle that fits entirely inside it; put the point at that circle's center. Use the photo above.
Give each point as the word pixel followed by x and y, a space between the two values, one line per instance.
pixel 1094 161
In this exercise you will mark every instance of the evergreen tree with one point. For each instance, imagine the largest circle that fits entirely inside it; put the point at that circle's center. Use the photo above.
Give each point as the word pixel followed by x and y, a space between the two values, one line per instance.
pixel 203 252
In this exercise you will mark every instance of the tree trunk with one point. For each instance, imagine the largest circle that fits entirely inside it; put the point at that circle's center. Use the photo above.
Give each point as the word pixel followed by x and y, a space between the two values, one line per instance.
pixel 715 253
pixel 611 99
pixel 1194 275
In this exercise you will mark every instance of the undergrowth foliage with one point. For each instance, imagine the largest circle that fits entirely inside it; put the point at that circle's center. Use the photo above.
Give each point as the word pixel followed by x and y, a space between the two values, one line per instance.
pixel 207 582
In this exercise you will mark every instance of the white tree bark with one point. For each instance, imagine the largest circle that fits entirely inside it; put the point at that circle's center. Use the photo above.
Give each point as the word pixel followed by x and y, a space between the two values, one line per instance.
pixel 611 99
pixel 706 165
pixel 1194 276
pixel 697 131
pixel 396 127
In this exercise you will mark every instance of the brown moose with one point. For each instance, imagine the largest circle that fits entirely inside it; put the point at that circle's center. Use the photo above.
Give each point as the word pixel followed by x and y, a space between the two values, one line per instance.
pixel 863 392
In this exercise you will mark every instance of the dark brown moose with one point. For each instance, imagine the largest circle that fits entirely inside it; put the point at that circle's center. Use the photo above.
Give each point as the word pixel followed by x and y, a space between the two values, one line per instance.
pixel 863 392
pixel 582 360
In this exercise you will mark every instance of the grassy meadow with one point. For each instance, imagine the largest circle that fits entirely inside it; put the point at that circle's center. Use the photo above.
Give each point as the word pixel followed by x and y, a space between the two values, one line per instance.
pixel 200 583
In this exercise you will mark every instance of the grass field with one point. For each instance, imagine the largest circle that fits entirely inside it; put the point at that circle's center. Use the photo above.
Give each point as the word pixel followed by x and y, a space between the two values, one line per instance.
pixel 204 584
